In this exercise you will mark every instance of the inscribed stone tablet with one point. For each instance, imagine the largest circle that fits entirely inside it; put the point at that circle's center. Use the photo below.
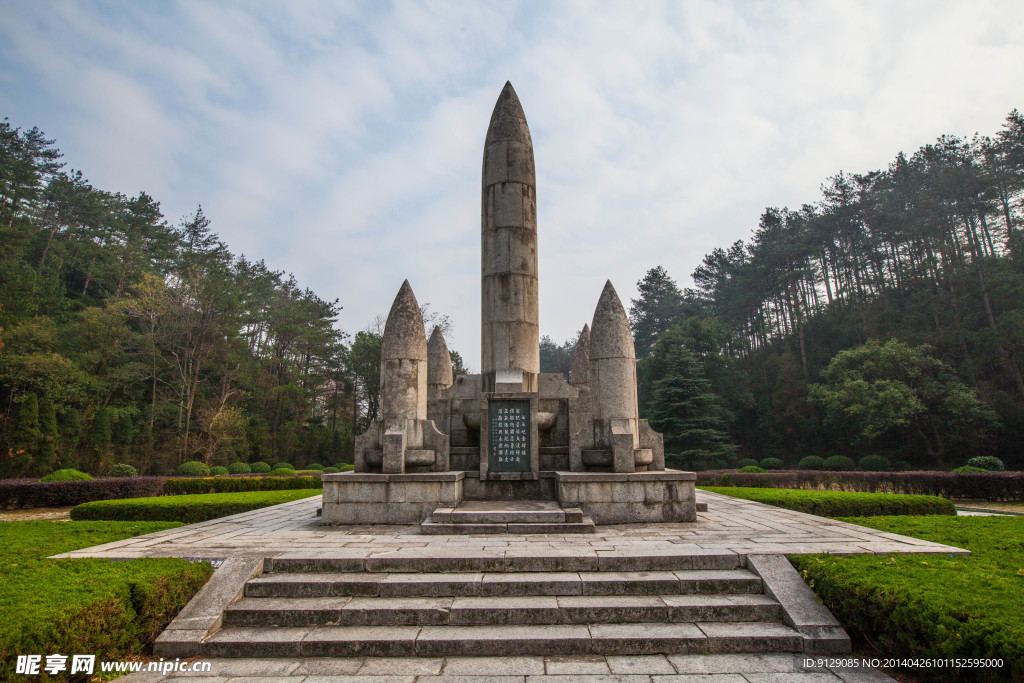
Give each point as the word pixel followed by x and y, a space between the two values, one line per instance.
pixel 508 437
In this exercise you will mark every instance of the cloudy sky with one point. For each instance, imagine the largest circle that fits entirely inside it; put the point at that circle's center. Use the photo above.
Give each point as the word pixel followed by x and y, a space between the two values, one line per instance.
pixel 342 141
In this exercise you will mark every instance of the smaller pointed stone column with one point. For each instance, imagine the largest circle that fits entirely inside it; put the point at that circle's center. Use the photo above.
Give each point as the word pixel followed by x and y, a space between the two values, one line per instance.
pixel 439 379
pixel 579 375
pixel 403 437
pixel 613 380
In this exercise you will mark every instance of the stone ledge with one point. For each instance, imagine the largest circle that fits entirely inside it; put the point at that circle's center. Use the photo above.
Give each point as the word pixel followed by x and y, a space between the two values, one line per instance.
pixel 203 614
pixel 821 632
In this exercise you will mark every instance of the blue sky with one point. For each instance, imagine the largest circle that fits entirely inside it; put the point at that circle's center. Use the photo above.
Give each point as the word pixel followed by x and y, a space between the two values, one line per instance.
pixel 342 142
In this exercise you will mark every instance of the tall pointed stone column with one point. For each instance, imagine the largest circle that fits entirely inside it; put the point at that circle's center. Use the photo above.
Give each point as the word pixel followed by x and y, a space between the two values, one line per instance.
pixel 510 344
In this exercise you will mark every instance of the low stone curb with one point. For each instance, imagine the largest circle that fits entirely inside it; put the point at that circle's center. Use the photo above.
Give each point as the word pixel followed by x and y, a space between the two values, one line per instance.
pixel 203 614
pixel 822 633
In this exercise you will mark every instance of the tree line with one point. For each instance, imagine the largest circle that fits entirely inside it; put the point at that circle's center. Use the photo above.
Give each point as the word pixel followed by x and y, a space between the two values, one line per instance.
pixel 887 316
pixel 124 338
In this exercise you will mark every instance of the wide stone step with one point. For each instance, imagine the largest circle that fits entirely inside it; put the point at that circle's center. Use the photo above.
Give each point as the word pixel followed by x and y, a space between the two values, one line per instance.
pixel 502 584
pixel 493 611
pixel 440 560
pixel 600 639
pixel 507 512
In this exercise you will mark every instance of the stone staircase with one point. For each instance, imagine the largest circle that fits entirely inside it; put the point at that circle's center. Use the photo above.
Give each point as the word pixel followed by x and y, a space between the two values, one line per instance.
pixel 408 606
pixel 508 517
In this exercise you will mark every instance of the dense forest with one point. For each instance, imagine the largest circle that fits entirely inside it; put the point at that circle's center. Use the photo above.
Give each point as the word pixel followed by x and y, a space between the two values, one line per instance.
pixel 126 339
pixel 885 318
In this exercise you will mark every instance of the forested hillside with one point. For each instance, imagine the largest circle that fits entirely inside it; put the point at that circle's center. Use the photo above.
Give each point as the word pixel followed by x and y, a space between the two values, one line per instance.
pixel 126 339
pixel 916 271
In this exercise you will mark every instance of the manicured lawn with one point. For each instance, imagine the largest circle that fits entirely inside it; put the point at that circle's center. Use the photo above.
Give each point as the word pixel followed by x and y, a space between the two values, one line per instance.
pixel 841 503
pixel 85 606
pixel 188 509
pixel 934 606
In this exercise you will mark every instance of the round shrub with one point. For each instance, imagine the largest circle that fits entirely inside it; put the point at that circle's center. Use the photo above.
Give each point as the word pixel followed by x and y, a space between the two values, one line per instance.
pixel 900 466
pixel 811 462
pixel 239 468
pixel 753 469
pixel 259 467
pixel 283 466
pixel 331 470
pixel 66 475
pixel 746 462
pixel 123 469
pixel 840 463
pixel 219 471
pixel 875 463
pixel 315 466
pixel 281 472
pixel 772 464
pixel 989 463
pixel 193 468
pixel 968 468
pixel 344 466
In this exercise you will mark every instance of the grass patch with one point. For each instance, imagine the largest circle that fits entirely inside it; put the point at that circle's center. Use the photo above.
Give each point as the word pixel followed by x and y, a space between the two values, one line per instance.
pixel 934 606
pixel 841 503
pixel 85 606
pixel 188 509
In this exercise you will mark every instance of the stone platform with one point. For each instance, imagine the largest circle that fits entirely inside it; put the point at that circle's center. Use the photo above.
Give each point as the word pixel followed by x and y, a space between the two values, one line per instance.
pixel 508 517
pixel 605 497
pixel 635 600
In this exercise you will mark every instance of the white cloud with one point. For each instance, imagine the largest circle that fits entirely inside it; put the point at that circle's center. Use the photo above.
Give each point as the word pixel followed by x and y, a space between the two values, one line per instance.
pixel 343 142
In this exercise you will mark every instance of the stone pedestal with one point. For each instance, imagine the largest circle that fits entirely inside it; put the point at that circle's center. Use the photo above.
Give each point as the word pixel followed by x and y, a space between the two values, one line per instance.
pixel 366 498
pixel 623 498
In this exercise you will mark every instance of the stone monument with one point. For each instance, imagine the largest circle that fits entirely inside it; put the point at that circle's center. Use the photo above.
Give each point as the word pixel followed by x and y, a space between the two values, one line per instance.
pixel 510 433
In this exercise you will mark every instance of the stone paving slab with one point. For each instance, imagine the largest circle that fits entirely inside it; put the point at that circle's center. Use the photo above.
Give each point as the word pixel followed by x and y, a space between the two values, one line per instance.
pixel 730 525
pixel 725 668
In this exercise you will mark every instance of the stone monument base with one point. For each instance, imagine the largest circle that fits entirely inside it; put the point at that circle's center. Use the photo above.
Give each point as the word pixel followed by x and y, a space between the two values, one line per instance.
pixel 607 498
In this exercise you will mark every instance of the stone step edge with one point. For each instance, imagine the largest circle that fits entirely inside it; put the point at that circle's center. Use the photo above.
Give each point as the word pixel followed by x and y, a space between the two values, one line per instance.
pixel 599 639
pixel 511 561
pixel 432 527
pixel 548 610
pixel 510 584
pixel 546 516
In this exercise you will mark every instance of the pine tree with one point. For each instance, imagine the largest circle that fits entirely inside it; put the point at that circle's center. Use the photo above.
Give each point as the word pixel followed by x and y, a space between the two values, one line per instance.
pixel 659 306
pixel 685 409
pixel 25 445
pixel 47 437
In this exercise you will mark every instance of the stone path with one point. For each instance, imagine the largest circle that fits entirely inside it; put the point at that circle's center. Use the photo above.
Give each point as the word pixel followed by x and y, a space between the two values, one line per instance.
pixel 730 524
pixel 748 668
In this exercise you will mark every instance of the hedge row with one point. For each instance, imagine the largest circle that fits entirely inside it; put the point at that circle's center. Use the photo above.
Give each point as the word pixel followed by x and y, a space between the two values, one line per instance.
pixel 176 486
pixel 87 606
pixel 28 493
pixel 933 606
pixel 841 503
pixel 1008 486
pixel 187 509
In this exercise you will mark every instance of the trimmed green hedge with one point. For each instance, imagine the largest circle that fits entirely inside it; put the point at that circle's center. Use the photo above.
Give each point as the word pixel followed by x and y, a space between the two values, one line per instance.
pixel 187 509
pixel 235 484
pixel 66 475
pixel 87 606
pixel 841 504
pixel 934 606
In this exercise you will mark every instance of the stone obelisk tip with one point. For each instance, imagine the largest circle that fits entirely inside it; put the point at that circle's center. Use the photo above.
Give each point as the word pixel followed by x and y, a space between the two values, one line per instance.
pixel 439 361
pixel 610 336
pixel 403 332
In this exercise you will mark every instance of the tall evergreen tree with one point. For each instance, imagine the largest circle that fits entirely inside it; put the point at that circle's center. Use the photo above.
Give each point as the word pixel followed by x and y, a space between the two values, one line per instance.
pixel 659 306
pixel 684 408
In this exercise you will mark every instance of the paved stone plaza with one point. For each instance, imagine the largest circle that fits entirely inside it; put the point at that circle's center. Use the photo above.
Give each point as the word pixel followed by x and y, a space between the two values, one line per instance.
pixel 730 524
